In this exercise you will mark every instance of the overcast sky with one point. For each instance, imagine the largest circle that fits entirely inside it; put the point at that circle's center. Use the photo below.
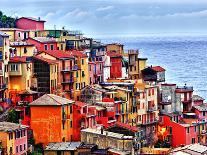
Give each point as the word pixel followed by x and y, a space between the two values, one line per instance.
pixel 109 17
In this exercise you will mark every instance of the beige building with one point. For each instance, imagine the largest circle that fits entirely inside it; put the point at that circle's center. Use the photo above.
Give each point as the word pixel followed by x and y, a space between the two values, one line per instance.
pixel 106 139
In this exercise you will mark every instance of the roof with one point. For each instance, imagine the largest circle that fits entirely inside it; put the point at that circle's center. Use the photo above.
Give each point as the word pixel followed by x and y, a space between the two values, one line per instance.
pixel 202 107
pixel 11 29
pixel 3 34
pixel 109 134
pixel 197 98
pixel 32 18
pixel 80 104
pixel 192 148
pixel 158 69
pixel 8 126
pixel 18 59
pixel 49 61
pixel 44 39
pixel 20 43
pixel 27 92
pixel 62 146
pixel 77 54
pixel 127 126
pixel 51 100
pixel 58 54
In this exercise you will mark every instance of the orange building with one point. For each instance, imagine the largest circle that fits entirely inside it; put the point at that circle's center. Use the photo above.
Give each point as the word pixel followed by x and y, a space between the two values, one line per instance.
pixel 51 119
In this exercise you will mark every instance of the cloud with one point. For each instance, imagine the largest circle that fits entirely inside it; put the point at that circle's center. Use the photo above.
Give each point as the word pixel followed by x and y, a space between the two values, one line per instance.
pixel 77 13
pixel 105 8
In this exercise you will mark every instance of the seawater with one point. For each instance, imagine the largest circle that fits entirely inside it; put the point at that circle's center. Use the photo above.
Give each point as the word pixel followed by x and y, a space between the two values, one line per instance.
pixel 183 57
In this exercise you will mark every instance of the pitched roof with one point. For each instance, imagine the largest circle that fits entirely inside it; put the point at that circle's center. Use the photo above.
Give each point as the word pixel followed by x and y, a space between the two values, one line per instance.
pixel 127 126
pixel 8 126
pixel 202 107
pixel 18 59
pixel 32 18
pixel 44 39
pixel 50 100
pixel 158 69
pixel 80 104
pixel 77 53
pixel 62 146
pixel 58 54
pixel 49 61
pixel 197 98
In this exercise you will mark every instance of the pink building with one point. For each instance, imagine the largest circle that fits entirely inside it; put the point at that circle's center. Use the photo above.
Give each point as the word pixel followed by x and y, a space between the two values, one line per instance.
pixel 91 67
pixel 29 23
pixel 14 138
pixel 43 43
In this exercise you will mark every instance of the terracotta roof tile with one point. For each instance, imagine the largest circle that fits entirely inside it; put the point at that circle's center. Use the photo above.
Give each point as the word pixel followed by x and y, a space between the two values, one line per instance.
pixel 77 53
pixel 49 61
pixel 58 54
pixel 158 69
pixel 17 59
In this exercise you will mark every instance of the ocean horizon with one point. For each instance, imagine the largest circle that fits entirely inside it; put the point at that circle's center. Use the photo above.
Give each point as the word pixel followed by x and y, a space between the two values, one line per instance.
pixel 183 56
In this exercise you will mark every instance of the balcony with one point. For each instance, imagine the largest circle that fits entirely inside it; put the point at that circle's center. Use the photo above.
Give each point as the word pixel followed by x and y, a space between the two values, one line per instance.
pixel 69 81
pixel 149 121
pixel 151 109
pixel 70 69
pixel 184 89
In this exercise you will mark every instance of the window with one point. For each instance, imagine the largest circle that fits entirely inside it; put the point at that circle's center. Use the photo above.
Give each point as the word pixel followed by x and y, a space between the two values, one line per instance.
pixel 14 67
pixel 35 34
pixel 77 74
pixel 100 67
pixel 82 61
pixel 204 113
pixel 61 46
pixel 1 55
pixel 89 67
pixel 17 149
pixel 27 83
pixel 135 68
pixel 25 50
pixel 195 128
pixel 71 124
pixel 19 35
pixel 24 147
pixel 83 74
pixel 188 130
pixel 51 47
pixel 20 148
pixel 71 109
pixel 193 140
pixel 45 47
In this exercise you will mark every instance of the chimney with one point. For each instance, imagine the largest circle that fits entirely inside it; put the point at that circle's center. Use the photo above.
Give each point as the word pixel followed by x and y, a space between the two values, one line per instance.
pixel 38 18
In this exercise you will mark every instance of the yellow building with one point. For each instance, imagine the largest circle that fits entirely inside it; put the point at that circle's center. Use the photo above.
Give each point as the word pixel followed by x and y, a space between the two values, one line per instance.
pixel 22 49
pixel 82 74
pixel 4 59
pixel 115 47
pixel 13 138
pixel 20 73
pixel 135 64
pixel 15 34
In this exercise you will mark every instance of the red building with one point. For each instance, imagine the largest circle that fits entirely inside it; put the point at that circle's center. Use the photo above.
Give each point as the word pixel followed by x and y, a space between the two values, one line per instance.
pixel 43 43
pixel 83 117
pixel 116 64
pixel 105 113
pixel 29 23
pixel 182 131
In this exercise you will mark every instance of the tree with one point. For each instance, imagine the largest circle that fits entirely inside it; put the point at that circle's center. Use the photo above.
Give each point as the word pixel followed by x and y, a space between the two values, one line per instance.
pixel 12 116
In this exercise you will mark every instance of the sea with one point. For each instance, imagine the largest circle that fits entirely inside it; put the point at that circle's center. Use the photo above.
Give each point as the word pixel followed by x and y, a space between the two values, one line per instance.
pixel 183 56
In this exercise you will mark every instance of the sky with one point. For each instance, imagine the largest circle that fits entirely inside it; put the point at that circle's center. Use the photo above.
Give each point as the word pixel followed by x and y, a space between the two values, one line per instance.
pixel 115 17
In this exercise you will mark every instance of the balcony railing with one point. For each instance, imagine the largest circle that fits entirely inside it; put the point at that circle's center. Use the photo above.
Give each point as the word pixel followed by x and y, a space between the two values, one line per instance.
pixel 69 69
pixel 184 88
pixel 151 109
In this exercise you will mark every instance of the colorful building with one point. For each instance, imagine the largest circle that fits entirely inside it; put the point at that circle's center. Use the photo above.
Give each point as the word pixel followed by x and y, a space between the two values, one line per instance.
pixel 13 138
pixel 45 75
pixel 84 116
pixel 20 73
pixel 15 34
pixel 43 43
pixel 51 113
pixel 29 23
pixel 22 49
pixel 116 64
pixel 119 48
